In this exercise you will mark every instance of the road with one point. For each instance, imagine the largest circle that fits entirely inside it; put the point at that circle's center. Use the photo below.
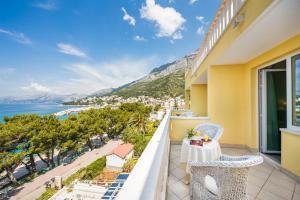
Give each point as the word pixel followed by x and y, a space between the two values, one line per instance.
pixel 35 188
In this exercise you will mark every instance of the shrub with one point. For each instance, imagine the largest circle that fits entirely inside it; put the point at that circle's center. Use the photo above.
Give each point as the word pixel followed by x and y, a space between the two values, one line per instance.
pixel 94 169
pixel 87 173
pixel 129 165
pixel 47 194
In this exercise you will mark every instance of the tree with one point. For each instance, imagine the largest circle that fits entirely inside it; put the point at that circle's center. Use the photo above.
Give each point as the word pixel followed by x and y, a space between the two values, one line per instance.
pixel 47 139
pixel 23 128
pixel 10 159
pixel 116 120
pixel 9 162
pixel 139 118
pixel 139 122
pixel 69 138
pixel 88 125
pixel 139 141
pixel 157 107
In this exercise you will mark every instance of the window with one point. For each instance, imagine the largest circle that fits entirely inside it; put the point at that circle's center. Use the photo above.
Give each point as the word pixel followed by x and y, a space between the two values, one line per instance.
pixel 296 89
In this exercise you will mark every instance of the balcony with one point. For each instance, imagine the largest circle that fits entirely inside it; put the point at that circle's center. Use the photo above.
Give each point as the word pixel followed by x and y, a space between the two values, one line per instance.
pixel 224 17
pixel 263 181
pixel 158 174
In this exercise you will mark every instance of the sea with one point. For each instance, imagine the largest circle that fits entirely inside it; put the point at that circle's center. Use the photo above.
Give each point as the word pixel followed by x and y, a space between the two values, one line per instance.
pixel 39 109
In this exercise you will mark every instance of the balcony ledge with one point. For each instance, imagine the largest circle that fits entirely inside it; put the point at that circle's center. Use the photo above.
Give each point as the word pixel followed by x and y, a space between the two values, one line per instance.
pixel 191 118
pixel 291 131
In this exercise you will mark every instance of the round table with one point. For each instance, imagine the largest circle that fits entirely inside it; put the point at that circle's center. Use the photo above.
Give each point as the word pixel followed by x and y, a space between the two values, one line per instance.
pixel 209 151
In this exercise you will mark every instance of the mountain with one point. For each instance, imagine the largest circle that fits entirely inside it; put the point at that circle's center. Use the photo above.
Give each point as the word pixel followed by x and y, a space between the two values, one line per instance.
pixel 170 85
pixel 102 92
pixel 165 80
pixel 40 99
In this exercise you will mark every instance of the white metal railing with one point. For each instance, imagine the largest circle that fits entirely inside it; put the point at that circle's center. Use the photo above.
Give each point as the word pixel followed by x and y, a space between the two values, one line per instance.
pixel 226 12
pixel 148 179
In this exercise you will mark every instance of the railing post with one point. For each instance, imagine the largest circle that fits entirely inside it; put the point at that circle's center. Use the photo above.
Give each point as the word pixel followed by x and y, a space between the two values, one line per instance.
pixel 227 10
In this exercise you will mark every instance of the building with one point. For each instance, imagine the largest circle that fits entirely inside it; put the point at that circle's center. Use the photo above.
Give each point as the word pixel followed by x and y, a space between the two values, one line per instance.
pixel 119 156
pixel 244 77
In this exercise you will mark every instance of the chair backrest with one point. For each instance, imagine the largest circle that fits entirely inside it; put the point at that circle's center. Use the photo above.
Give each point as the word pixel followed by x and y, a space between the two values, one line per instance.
pixel 227 161
pixel 187 114
pixel 214 131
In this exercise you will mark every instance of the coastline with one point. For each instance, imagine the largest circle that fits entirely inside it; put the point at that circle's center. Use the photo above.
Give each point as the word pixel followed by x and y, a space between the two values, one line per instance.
pixel 75 110
pixel 42 109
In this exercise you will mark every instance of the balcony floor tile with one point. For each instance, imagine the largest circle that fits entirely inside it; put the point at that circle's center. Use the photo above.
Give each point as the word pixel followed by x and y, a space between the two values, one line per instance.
pixel 264 182
pixel 178 173
pixel 180 189
pixel 172 196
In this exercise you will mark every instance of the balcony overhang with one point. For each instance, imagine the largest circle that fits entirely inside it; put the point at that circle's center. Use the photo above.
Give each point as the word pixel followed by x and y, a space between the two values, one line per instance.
pixel 279 22
pixel 202 79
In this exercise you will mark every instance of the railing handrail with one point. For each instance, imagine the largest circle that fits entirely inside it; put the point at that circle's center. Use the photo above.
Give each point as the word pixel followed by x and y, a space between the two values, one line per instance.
pixel 226 12
pixel 144 180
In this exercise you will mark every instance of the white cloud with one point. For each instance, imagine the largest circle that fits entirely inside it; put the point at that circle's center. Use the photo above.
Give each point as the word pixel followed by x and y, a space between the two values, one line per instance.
pixel 191 2
pixel 7 70
pixel 139 38
pixel 87 78
pixel 128 18
pixel 47 5
pixel 171 1
pixel 200 30
pixel 18 37
pixel 177 36
pixel 201 19
pixel 36 87
pixel 168 21
pixel 71 50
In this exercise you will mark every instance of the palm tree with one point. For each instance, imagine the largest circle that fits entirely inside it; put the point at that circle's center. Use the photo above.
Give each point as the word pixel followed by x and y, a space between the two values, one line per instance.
pixel 139 121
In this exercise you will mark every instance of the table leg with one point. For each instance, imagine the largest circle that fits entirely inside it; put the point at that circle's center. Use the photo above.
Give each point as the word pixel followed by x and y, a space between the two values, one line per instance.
pixel 187 177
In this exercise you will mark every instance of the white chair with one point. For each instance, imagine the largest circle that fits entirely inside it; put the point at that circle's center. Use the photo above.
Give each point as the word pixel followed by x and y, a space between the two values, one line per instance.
pixel 222 179
pixel 214 131
pixel 187 114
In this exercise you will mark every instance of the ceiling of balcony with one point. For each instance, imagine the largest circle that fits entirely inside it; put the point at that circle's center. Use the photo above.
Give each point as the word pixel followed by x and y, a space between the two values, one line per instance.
pixel 278 23
pixel 202 79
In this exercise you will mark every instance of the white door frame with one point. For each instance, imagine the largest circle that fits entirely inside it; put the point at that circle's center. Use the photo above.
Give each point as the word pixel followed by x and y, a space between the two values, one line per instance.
pixel 263 103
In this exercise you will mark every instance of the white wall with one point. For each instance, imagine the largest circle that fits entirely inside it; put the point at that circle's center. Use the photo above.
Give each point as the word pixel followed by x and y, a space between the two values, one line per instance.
pixel 130 155
pixel 148 179
pixel 115 162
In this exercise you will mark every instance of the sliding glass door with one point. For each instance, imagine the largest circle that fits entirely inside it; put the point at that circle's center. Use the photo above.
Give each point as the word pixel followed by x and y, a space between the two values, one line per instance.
pixel 273 106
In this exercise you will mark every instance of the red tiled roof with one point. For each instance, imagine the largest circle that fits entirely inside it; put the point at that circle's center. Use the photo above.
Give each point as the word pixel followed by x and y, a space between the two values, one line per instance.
pixel 122 150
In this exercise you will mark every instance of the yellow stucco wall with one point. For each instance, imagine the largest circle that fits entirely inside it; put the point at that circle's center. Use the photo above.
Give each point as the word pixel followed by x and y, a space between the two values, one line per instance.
pixel 198 95
pixel 187 86
pixel 226 101
pixel 187 99
pixel 180 126
pixel 232 95
pixel 187 83
pixel 290 149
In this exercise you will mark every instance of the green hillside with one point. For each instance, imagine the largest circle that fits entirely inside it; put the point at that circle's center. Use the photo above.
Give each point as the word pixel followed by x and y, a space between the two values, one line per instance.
pixel 170 85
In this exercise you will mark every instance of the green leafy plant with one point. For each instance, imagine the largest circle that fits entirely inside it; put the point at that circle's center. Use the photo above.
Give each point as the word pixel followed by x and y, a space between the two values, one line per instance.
pixel 129 165
pixel 47 194
pixel 190 133
pixel 87 173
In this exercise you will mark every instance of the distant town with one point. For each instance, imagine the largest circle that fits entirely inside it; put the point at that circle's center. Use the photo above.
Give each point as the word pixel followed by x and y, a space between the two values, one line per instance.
pixel 115 101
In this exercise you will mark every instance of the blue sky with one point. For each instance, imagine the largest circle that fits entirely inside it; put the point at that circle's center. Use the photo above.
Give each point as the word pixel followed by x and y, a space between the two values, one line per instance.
pixel 80 46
